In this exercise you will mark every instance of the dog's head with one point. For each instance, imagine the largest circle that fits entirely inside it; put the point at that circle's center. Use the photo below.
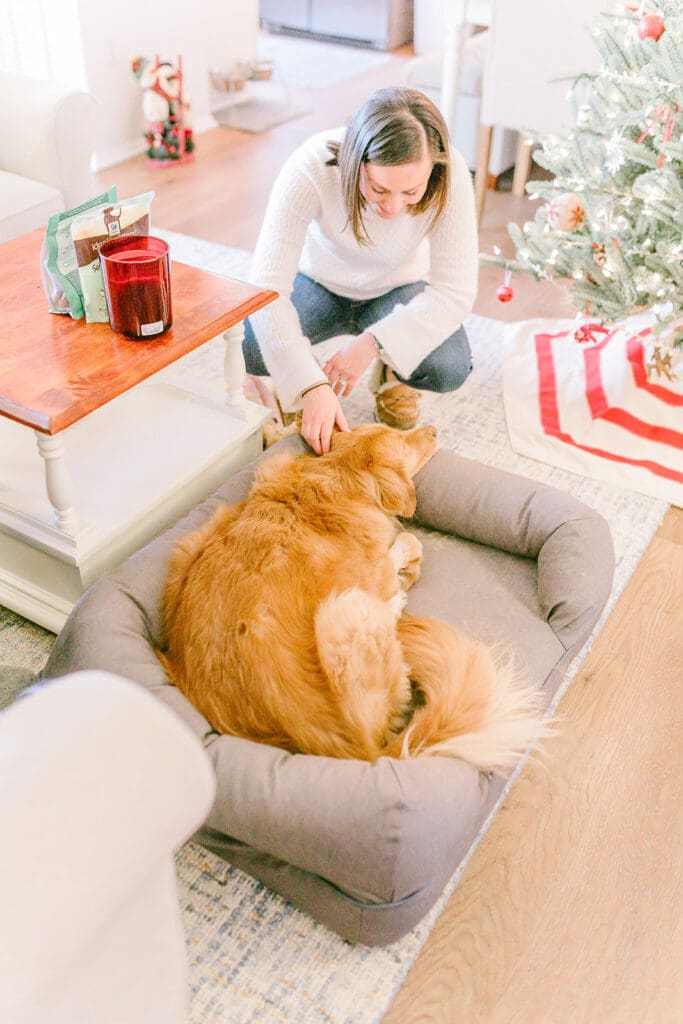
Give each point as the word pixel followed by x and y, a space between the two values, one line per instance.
pixel 387 458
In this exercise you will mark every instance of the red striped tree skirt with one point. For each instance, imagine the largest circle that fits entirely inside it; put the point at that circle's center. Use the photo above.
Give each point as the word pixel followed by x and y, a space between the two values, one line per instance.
pixel 592 408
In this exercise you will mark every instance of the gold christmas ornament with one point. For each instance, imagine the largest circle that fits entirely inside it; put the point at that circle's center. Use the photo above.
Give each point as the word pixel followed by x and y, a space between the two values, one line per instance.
pixel 662 361
pixel 599 254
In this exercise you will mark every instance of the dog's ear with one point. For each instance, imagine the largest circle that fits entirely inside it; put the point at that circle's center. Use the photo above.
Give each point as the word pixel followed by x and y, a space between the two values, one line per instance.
pixel 371 452
pixel 395 489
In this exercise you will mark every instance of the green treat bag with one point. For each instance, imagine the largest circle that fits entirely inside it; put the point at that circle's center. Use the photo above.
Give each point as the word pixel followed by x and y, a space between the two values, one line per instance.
pixel 58 267
pixel 92 229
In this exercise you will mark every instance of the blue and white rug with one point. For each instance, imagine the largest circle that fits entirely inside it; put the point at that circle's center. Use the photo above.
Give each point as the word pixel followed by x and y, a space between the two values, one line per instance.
pixel 253 958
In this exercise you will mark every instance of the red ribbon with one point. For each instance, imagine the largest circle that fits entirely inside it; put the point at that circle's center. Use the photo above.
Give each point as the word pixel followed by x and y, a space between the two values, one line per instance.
pixel 588 332
pixel 668 115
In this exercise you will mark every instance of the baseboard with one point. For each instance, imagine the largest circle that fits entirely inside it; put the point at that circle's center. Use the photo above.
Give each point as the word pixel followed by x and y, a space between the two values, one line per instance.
pixel 133 147
pixel 117 154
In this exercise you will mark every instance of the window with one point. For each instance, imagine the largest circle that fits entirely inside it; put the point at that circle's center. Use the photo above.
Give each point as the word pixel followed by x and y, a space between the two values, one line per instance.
pixel 42 38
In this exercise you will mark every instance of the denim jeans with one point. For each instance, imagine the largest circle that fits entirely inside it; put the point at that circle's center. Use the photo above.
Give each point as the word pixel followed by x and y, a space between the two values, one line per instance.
pixel 324 315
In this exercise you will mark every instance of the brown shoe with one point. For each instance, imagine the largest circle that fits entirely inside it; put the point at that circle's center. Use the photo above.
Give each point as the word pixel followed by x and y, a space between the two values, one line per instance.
pixel 397 405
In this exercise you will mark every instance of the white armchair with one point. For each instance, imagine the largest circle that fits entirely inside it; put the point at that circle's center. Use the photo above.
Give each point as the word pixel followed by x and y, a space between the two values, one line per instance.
pixel 99 784
pixel 531 42
pixel 46 153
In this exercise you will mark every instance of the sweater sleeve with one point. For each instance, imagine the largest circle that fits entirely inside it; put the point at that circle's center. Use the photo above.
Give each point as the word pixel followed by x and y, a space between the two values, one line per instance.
pixel 409 333
pixel 294 202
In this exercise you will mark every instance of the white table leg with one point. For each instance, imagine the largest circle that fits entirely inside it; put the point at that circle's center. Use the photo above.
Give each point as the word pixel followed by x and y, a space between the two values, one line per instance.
pixel 234 367
pixel 58 480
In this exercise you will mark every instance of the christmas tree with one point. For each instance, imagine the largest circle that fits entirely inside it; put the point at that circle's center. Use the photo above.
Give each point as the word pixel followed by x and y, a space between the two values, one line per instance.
pixel 612 220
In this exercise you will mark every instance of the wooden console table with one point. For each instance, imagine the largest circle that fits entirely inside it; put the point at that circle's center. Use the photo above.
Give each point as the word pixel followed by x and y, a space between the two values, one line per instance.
pixel 129 435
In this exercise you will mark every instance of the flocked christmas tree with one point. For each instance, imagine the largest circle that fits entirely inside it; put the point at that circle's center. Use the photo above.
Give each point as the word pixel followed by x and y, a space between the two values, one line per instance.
pixel 612 220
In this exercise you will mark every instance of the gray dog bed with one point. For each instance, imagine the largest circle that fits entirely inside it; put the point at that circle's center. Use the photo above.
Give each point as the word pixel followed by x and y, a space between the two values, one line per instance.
pixel 367 848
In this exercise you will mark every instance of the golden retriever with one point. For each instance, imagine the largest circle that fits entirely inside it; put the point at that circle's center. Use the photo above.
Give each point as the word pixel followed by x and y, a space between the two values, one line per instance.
pixel 284 618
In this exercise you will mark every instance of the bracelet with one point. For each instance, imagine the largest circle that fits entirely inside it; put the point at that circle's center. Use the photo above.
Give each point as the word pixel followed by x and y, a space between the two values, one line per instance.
pixel 320 384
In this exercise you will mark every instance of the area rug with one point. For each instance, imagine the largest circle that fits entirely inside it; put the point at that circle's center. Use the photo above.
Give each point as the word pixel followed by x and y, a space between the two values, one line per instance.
pixel 313 64
pixel 253 958
pixel 299 67
pixel 268 105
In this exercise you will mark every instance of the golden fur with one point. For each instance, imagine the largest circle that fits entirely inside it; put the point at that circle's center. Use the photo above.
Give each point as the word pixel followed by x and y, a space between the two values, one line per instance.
pixel 284 621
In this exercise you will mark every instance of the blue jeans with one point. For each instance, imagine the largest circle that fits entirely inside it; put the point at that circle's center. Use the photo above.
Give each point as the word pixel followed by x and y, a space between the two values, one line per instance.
pixel 324 315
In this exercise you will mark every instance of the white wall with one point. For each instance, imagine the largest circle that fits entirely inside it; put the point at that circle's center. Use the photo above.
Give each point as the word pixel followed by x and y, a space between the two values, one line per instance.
pixel 205 32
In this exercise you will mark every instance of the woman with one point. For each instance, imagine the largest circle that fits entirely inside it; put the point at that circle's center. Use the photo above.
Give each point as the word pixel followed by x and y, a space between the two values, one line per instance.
pixel 370 231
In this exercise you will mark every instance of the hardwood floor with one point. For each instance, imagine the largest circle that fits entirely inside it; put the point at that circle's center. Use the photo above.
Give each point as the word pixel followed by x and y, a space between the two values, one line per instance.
pixel 571 909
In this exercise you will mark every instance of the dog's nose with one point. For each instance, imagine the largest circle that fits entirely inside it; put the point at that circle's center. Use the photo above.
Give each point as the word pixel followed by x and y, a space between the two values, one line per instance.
pixel 432 430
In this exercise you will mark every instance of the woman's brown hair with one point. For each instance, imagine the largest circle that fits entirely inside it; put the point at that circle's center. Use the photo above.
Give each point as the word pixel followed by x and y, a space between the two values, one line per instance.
pixel 394 126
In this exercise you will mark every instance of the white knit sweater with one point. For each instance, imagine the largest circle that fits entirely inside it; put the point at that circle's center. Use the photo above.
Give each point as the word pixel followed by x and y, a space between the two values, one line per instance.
pixel 305 229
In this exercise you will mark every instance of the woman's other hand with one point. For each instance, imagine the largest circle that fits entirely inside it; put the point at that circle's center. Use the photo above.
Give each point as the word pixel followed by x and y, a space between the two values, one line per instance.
pixel 345 368
pixel 321 413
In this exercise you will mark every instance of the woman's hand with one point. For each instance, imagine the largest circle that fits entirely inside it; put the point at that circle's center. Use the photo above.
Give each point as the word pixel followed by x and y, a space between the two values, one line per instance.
pixel 321 413
pixel 345 368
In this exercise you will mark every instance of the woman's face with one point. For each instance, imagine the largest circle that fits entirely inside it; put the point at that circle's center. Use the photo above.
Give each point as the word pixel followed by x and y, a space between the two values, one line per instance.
pixel 390 189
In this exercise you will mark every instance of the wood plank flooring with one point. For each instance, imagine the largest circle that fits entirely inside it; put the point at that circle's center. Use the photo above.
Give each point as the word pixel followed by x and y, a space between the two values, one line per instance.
pixel 571 909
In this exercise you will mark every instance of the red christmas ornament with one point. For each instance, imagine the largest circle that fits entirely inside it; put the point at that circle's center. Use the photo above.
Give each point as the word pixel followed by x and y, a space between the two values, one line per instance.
pixel 505 292
pixel 651 26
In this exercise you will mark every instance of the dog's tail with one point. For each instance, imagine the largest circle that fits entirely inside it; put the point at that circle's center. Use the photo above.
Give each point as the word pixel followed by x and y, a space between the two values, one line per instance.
pixel 475 706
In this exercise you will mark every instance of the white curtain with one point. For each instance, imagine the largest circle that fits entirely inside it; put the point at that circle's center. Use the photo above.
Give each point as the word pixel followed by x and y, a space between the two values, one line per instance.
pixel 23 42
pixel 42 38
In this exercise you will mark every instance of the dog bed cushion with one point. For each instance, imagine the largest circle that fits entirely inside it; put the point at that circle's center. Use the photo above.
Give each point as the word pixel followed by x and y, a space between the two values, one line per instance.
pixel 367 848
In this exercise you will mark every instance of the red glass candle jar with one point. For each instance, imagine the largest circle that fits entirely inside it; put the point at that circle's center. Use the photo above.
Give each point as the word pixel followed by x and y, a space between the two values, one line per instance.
pixel 137 284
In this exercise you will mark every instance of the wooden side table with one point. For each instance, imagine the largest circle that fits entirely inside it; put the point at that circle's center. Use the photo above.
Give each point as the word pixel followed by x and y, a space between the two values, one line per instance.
pixel 129 436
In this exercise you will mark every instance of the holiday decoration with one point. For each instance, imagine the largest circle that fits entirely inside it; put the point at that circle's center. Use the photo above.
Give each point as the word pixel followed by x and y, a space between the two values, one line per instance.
pixel 169 136
pixel 610 218
pixel 600 254
pixel 661 362
pixel 589 332
pixel 667 115
pixel 505 292
pixel 566 213
pixel 595 409
pixel 614 155
pixel 651 26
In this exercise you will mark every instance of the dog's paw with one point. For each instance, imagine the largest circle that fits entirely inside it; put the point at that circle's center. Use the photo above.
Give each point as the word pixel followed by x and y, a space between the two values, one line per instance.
pixel 274 432
pixel 398 602
pixel 406 554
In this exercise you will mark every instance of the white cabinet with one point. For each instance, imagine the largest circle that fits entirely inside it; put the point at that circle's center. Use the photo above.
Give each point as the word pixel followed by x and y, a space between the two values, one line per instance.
pixel 292 14
pixel 383 24
pixel 348 18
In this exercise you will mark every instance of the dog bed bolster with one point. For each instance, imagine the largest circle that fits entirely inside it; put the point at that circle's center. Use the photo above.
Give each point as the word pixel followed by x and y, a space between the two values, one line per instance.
pixel 367 848
pixel 504 511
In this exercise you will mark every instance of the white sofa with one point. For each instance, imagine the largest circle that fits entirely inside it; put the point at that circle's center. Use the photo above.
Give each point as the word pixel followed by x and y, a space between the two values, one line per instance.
pixel 48 140
pixel 99 785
